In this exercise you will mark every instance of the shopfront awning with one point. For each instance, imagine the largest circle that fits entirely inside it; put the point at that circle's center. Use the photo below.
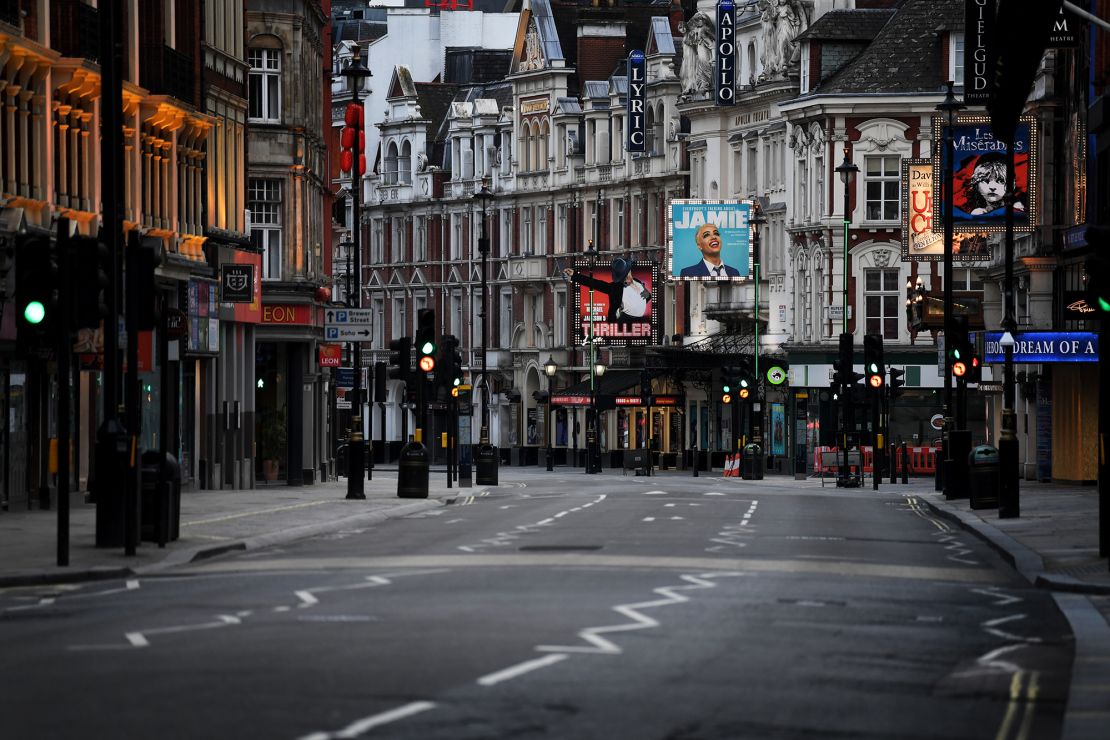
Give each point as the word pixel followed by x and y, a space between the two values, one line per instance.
pixel 612 389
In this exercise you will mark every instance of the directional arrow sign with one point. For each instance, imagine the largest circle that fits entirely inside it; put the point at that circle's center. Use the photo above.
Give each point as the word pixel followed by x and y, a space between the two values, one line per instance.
pixel 348 316
pixel 347 332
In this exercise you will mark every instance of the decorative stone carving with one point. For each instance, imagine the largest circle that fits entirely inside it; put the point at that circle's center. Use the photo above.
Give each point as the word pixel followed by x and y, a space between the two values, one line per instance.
pixel 698 38
pixel 882 257
pixel 533 57
pixel 783 21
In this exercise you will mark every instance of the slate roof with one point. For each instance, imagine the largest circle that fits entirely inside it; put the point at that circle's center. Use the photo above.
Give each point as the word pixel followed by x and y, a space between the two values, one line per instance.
pixel 848 25
pixel 470 65
pixel 905 56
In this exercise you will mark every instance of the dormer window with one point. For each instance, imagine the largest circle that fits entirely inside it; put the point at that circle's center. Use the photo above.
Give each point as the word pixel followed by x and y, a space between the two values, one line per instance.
pixel 956 58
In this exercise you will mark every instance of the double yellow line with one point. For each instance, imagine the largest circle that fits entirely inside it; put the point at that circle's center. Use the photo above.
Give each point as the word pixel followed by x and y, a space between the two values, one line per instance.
pixel 915 504
pixel 1024 688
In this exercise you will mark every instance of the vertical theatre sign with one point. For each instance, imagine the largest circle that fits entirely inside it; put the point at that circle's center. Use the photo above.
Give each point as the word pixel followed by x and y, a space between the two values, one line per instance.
pixel 978 66
pixel 726 53
pixel 637 98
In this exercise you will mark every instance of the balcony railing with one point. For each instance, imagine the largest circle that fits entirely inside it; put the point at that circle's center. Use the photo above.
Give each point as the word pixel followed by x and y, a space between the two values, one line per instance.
pixel 75 29
pixel 166 71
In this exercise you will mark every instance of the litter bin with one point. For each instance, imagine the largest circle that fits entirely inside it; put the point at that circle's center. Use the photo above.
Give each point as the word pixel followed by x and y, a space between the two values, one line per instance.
pixel 412 471
pixel 751 468
pixel 160 511
pixel 485 463
pixel 983 466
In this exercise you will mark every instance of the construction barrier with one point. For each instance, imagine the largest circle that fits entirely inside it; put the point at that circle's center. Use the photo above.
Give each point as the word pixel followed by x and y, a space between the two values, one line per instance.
pixel 922 460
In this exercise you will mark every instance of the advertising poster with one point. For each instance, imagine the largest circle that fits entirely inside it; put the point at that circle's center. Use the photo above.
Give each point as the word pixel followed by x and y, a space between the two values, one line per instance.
pixel 978 163
pixel 778 429
pixel 615 301
pixel 920 243
pixel 709 239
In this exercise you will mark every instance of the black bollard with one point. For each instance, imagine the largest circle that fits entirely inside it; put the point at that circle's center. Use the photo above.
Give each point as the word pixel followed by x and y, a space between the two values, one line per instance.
pixel 905 464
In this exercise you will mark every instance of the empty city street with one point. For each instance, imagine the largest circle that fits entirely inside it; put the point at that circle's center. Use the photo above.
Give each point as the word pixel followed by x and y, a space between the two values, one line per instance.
pixel 561 606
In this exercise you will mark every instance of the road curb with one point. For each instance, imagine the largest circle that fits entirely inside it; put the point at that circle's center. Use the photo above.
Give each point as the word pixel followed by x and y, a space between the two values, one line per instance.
pixel 58 577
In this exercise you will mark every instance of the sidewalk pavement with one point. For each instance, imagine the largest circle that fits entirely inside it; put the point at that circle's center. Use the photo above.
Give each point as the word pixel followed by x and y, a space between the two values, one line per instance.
pixel 212 522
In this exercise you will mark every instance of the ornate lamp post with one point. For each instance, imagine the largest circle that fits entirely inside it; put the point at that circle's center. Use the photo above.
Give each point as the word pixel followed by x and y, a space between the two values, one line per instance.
pixel 550 368
pixel 949 106
pixel 847 171
pixel 355 74
pixel 591 422
pixel 756 419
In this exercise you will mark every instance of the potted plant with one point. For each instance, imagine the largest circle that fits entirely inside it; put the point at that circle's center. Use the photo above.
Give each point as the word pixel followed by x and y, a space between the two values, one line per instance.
pixel 272 440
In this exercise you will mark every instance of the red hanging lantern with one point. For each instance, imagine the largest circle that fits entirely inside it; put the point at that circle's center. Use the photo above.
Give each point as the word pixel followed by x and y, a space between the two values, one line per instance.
pixel 361 140
pixel 347 138
pixel 346 160
pixel 351 117
pixel 362 164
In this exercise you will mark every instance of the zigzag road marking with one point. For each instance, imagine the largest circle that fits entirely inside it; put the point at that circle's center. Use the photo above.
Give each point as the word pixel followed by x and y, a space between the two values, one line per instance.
pixel 599 645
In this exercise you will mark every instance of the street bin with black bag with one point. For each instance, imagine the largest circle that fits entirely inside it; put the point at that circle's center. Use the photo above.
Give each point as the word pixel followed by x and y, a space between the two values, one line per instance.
pixel 751 467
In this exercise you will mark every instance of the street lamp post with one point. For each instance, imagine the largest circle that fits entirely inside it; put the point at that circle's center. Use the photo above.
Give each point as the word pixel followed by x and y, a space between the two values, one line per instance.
pixel 949 106
pixel 755 420
pixel 355 73
pixel 483 197
pixel 591 422
pixel 550 368
pixel 847 171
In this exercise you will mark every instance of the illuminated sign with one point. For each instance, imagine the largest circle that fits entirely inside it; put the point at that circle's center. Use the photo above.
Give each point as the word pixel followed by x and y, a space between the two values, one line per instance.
pixel 709 239
pixel 1044 346
pixel 286 313
pixel 616 302
pixel 725 83
pixel 637 99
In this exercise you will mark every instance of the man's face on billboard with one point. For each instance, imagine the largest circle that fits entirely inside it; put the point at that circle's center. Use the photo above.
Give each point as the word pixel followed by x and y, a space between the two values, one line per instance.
pixel 708 240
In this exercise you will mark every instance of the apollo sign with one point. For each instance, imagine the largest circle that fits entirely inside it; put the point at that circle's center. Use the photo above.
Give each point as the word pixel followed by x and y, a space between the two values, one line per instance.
pixel 726 53
pixel 637 99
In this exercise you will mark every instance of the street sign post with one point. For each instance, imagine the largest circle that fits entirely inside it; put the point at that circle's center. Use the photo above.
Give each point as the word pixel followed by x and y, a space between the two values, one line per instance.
pixel 347 324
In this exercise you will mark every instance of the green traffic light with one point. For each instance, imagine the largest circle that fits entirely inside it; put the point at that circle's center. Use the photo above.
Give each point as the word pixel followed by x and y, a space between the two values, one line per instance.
pixel 34 312
pixel 726 389
pixel 1103 304
pixel 427 348
pixel 955 354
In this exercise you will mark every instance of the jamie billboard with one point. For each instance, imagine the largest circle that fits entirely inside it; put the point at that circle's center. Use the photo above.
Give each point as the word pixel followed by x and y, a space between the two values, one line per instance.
pixel 615 301
pixel 709 239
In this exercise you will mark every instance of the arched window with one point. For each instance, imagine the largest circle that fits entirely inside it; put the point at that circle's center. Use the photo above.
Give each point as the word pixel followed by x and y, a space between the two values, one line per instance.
pixel 649 143
pixel 391 164
pixel 657 130
pixel 533 147
pixel 545 138
pixel 404 164
pixel 752 71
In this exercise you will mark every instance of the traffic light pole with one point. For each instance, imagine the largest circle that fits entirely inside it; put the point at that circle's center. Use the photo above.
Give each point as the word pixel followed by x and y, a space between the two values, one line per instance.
pixel 1009 504
pixel 356 445
pixel 65 347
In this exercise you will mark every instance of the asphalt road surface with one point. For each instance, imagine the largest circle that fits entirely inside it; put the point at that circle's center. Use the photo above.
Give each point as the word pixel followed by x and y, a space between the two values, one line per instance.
pixel 561 606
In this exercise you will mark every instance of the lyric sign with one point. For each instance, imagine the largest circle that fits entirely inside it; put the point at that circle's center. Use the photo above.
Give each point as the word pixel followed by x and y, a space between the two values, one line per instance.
pixel 637 98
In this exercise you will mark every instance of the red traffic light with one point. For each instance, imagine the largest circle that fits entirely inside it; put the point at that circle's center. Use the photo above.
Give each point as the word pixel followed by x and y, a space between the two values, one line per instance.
pixel 744 393
pixel 875 381
pixel 726 399
pixel 959 369
pixel 427 363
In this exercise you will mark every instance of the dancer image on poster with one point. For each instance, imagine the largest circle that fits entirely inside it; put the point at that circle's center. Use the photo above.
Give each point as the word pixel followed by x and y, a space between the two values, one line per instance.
pixel 629 299
pixel 709 243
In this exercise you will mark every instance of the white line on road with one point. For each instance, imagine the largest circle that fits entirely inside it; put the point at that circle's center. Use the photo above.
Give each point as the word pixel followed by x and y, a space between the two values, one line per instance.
pixel 713 493
pixel 307 599
pixel 520 669
pixel 649 519
pixel 366 724
pixel 655 493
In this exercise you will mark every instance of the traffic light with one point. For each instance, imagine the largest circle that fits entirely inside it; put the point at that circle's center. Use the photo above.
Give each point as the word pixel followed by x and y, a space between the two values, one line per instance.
pixel 1096 275
pixel 843 374
pixel 144 254
pixel 974 369
pixel 873 360
pixel 959 348
pixel 36 290
pixel 896 382
pixel 426 340
pixel 381 392
pixel 400 358
pixel 450 361
pixel 91 262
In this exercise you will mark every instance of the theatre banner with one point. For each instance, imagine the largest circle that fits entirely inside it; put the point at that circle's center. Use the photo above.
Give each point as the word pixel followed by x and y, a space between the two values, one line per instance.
pixel 709 239
pixel 617 301
pixel 978 166
pixel 922 237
